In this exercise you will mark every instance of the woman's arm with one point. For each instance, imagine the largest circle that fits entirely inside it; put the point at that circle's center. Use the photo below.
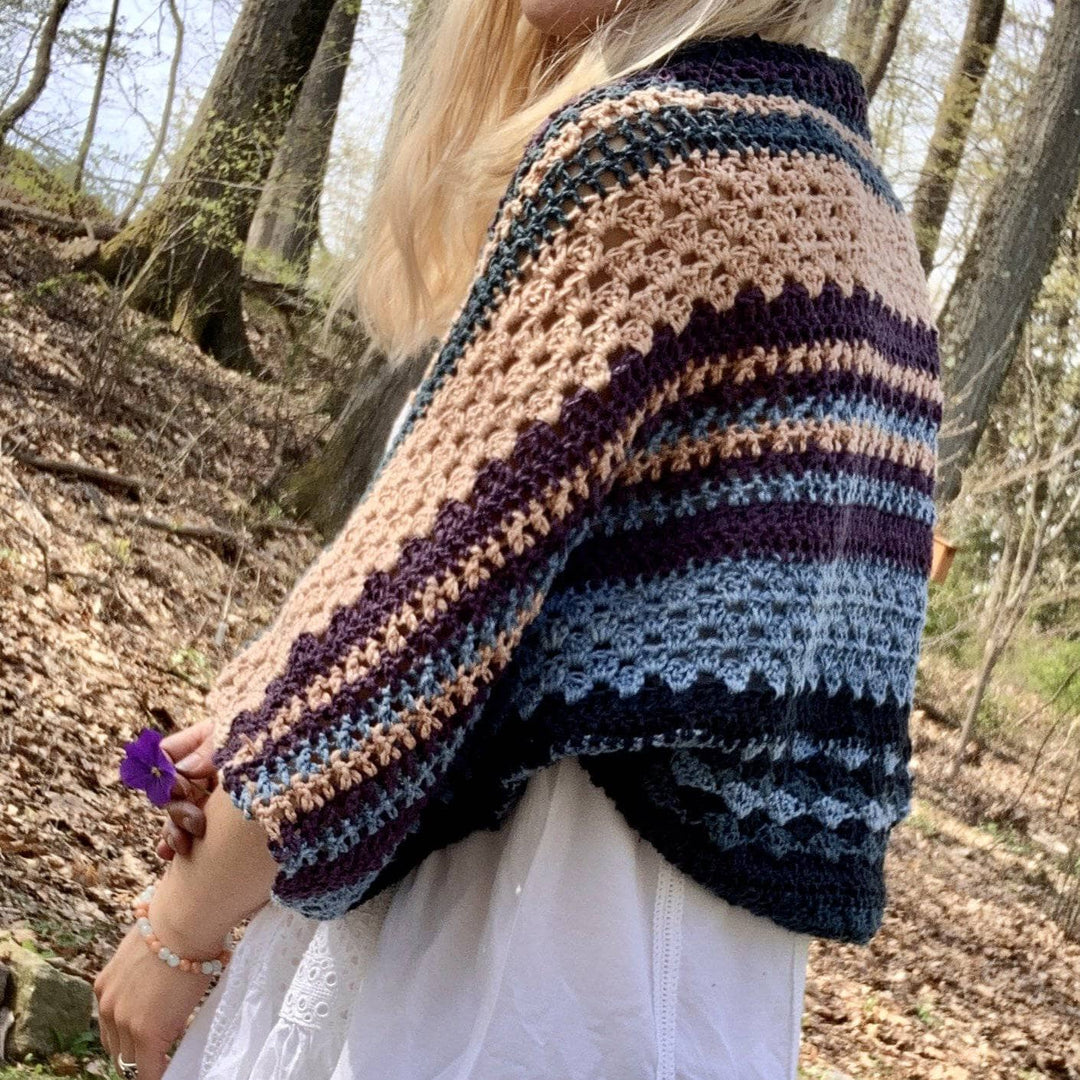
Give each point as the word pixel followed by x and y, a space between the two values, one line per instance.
pixel 226 878
pixel 143 1003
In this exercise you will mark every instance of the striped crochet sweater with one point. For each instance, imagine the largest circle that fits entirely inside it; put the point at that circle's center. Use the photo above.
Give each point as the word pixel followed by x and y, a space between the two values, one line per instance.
pixel 662 501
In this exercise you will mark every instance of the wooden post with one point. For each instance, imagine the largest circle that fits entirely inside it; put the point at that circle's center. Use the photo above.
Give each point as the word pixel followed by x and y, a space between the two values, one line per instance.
pixel 942 558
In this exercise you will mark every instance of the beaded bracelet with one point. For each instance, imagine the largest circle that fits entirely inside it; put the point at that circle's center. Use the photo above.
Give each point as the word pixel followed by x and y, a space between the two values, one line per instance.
pixel 213 966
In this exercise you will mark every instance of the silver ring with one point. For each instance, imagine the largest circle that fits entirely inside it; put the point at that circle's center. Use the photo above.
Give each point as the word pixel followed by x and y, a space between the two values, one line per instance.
pixel 128 1069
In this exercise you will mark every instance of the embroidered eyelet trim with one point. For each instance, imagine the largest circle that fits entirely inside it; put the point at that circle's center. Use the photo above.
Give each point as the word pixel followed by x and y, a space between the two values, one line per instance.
pixel 667 953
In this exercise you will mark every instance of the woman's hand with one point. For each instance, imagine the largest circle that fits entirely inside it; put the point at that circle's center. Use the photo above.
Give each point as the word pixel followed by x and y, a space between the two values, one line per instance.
pixel 143 1005
pixel 190 750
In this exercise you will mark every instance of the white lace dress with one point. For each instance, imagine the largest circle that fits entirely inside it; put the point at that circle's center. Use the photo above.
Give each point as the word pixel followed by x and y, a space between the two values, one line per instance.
pixel 562 947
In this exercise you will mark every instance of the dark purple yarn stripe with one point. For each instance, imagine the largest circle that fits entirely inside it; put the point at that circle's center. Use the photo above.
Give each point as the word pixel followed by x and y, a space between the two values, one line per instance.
pixel 346 806
pixel 759 64
pixel 540 455
pixel 794 317
pixel 802 532
pixel 362 860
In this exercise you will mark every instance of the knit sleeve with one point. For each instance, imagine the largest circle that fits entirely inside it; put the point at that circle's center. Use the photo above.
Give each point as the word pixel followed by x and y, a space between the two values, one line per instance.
pixel 334 727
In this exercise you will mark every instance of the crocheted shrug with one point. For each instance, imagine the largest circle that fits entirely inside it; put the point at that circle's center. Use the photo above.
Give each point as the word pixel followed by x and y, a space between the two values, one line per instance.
pixel 663 501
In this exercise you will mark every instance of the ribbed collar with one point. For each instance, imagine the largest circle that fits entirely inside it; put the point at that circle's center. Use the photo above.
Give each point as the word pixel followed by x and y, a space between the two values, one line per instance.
pixel 754 64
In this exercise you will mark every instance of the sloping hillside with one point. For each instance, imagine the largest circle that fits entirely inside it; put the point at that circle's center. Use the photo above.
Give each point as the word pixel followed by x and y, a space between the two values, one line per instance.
pixel 135 556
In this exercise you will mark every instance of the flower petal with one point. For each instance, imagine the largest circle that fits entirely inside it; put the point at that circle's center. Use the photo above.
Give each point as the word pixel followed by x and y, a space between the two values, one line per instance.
pixel 159 789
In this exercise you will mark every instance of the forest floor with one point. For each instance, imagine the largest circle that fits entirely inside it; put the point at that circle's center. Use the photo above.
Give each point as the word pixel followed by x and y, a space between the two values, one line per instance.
pixel 109 623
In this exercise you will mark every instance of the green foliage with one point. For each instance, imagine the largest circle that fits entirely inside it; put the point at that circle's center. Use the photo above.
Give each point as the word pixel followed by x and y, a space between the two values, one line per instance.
pixel 121 549
pixel 948 627
pixel 224 177
pixel 83 1046
pixel 62 935
pixel 924 1010
pixel 41 292
pixel 190 661
pixel 953 603
pixel 260 263
pixel 1007 836
pixel 1042 664
pixel 923 822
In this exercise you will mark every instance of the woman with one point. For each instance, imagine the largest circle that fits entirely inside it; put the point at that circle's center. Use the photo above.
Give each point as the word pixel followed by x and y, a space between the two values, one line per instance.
pixel 596 709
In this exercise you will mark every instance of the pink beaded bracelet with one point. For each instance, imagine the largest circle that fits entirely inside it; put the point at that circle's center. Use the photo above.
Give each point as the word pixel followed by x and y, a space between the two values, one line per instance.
pixel 214 966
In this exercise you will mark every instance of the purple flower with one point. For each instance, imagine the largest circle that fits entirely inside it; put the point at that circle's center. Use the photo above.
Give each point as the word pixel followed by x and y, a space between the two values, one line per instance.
pixel 148 768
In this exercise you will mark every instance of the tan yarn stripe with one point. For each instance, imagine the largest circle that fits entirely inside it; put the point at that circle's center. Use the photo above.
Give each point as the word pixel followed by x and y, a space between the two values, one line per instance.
pixel 787 437
pixel 859 357
pixel 379 748
pixel 604 115
pixel 703 229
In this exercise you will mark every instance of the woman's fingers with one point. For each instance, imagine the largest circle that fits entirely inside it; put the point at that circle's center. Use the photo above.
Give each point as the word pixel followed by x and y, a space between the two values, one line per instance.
pixel 139 1044
pixel 178 840
pixel 106 1026
pixel 149 1056
pixel 187 817
pixel 184 822
pixel 192 750
pixel 127 1052
pixel 183 742
pixel 190 791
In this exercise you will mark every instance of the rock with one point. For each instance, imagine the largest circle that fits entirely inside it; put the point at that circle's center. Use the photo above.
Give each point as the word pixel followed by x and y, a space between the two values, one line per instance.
pixel 51 1008
pixel 65 1064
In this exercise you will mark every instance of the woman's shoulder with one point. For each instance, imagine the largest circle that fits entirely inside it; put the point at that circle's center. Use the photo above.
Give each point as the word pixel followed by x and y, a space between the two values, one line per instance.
pixel 737 92
pixel 742 133
pixel 706 101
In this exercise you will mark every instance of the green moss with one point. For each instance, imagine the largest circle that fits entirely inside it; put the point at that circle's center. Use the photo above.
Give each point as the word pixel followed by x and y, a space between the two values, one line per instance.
pixel 24 179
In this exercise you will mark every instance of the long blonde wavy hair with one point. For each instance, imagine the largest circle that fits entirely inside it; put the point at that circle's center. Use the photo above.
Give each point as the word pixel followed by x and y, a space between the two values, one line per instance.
pixel 478 82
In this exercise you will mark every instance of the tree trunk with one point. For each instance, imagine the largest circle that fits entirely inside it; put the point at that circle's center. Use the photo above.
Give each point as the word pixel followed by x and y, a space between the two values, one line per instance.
pixel 166 116
pixel 1014 245
pixel 953 125
pixel 859 31
pixel 180 258
pixel 875 72
pixel 992 651
pixel 95 101
pixel 325 490
pixel 16 78
pixel 327 487
pixel 14 112
pixel 286 223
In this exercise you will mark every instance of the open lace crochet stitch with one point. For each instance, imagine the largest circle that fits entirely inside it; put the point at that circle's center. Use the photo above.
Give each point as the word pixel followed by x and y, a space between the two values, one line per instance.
pixel 662 501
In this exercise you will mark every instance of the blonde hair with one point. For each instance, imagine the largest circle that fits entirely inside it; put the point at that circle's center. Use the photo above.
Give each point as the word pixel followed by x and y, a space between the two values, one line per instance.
pixel 479 81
